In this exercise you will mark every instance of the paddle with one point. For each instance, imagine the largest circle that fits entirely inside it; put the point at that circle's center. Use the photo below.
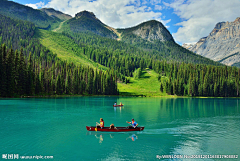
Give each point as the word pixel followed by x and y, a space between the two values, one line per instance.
pixel 129 124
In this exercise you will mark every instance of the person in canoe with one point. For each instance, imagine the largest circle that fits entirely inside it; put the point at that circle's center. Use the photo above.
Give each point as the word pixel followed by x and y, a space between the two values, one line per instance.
pixel 121 104
pixel 101 124
pixel 112 126
pixel 134 124
pixel 115 103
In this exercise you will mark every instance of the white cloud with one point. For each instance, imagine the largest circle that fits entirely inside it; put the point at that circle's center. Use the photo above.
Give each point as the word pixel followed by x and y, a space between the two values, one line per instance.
pixel 158 7
pixel 200 17
pixel 36 5
pixel 115 13
pixel 155 2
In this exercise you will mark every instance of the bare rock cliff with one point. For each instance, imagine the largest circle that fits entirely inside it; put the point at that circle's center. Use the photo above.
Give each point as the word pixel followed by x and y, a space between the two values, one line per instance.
pixel 222 44
pixel 188 46
pixel 153 30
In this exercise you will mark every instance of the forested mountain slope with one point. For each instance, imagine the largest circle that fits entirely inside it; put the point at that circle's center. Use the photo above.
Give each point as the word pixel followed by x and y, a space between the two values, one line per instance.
pixel 22 12
pixel 35 70
pixel 154 37
pixel 65 48
pixel 56 14
pixel 87 22
pixel 150 38
pixel 90 58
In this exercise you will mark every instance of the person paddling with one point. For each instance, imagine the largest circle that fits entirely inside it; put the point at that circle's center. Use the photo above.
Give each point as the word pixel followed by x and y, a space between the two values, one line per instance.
pixel 115 103
pixel 112 126
pixel 134 124
pixel 101 124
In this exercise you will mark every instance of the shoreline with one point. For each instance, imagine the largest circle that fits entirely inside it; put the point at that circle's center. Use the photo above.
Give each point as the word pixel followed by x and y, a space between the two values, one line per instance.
pixel 60 96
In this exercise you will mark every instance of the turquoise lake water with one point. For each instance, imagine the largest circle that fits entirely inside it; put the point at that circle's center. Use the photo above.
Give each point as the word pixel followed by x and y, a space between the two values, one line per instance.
pixel 173 126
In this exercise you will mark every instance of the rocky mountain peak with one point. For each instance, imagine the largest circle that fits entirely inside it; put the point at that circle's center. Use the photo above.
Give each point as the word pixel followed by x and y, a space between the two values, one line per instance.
pixel 219 25
pixel 86 21
pixel 237 20
pixel 152 30
pixel 85 13
pixel 49 9
pixel 222 44
pixel 187 45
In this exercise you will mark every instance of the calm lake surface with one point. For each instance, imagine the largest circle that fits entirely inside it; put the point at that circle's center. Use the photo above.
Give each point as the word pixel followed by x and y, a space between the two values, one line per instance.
pixel 173 126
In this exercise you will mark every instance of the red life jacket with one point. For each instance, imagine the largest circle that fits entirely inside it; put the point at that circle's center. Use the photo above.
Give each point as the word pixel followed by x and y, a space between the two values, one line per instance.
pixel 101 123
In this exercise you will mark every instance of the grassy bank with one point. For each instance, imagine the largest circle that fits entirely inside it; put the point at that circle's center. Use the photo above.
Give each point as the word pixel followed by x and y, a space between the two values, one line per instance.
pixel 147 85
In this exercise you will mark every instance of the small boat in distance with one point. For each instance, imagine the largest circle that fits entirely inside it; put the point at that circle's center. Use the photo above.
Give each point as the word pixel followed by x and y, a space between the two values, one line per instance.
pixel 117 105
pixel 119 129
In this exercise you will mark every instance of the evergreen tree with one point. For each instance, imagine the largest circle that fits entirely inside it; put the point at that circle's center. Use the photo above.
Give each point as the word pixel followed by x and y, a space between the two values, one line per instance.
pixel 190 90
pixel 22 74
pixel 216 90
pixel 4 72
pixel 1 68
pixel 10 74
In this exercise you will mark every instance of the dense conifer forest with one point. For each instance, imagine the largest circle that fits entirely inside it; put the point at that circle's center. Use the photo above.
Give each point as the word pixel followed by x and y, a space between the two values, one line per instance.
pixel 198 80
pixel 30 69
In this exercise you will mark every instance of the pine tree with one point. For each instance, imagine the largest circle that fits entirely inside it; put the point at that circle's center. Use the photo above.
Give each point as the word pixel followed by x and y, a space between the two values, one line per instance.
pixel 89 89
pixel 215 90
pixel 200 90
pixel 30 77
pixel 174 87
pixel 16 69
pixel 69 84
pixel 10 74
pixel 1 68
pixel 190 89
pixel 22 74
pixel 59 85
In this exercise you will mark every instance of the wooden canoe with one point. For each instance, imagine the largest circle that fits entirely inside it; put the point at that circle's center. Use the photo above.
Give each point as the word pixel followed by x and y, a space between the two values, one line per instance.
pixel 119 129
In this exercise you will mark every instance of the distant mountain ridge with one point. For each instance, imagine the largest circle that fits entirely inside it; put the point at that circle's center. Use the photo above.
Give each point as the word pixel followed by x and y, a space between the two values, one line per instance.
pixel 22 12
pixel 56 14
pixel 222 44
pixel 149 38
pixel 86 21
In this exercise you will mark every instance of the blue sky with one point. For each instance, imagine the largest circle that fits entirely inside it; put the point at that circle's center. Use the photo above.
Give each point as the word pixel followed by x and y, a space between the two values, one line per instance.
pixel 187 20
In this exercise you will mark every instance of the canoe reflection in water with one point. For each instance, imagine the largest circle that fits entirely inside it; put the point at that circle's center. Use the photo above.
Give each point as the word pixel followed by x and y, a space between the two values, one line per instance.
pixel 118 108
pixel 100 136
pixel 133 137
